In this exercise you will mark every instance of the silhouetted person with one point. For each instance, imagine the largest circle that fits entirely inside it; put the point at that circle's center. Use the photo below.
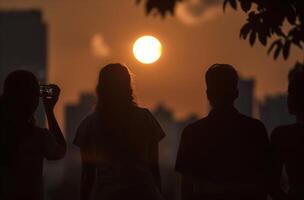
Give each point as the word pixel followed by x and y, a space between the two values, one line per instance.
pixel 224 155
pixel 288 142
pixel 119 143
pixel 23 145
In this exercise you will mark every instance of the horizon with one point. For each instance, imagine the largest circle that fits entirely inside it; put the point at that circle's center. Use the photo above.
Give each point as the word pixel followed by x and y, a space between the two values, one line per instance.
pixel 77 43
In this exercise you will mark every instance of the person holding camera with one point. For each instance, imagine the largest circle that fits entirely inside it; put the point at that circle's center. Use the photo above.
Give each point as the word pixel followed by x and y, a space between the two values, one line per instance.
pixel 23 145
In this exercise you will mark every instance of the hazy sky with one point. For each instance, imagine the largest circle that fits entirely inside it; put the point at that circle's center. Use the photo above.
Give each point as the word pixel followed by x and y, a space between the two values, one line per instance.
pixel 85 35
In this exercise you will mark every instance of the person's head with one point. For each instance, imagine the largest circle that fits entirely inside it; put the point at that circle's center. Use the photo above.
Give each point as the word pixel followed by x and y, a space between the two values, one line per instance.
pixel 21 94
pixel 114 89
pixel 222 85
pixel 296 91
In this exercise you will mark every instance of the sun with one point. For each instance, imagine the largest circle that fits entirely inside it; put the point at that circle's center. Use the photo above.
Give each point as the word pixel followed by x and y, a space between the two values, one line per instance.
pixel 147 49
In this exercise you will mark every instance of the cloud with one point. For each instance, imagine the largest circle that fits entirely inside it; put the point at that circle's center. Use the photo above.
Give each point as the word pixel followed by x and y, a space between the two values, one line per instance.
pixel 99 47
pixel 193 12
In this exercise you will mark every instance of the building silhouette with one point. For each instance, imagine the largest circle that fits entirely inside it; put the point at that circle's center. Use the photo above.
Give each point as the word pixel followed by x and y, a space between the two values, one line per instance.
pixel 23 45
pixel 74 114
pixel 245 102
pixel 274 112
pixel 168 149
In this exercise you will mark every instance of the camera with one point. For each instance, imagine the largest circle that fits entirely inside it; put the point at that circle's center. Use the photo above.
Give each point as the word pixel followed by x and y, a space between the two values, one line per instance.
pixel 46 91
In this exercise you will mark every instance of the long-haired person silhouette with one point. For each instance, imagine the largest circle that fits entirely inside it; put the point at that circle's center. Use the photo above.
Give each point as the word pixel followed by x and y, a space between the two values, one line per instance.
pixel 119 143
pixel 225 155
pixel 288 142
pixel 23 145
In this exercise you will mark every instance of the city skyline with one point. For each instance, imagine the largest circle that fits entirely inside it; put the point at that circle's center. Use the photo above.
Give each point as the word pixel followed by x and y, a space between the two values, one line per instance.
pixel 273 112
pixel 120 108
pixel 23 45
pixel 75 56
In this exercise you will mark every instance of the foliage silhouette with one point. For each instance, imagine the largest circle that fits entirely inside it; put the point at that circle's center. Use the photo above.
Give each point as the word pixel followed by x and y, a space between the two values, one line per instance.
pixel 267 20
pixel 162 6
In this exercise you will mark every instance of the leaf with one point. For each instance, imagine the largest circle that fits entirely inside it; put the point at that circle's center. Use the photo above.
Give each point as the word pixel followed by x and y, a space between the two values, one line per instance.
pixel 252 37
pixel 159 7
pixel 286 49
pixel 233 4
pixel 290 15
pixel 245 30
pixel 149 8
pixel 277 42
pixel 279 31
pixel 263 38
pixel 171 11
pixel 225 5
pixel 277 51
pixel 297 42
pixel 251 16
pixel 246 5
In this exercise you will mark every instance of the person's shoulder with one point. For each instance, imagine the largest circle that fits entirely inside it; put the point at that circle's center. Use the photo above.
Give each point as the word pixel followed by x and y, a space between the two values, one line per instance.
pixel 41 133
pixel 40 130
pixel 88 122
pixel 144 115
pixel 90 118
pixel 141 110
pixel 85 126
pixel 280 131
pixel 250 121
pixel 198 124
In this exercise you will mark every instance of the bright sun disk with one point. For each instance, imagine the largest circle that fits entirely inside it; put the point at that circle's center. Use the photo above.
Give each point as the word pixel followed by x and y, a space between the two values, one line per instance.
pixel 147 49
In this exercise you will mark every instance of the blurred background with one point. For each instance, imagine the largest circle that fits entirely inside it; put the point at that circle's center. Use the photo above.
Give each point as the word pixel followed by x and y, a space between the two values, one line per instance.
pixel 67 42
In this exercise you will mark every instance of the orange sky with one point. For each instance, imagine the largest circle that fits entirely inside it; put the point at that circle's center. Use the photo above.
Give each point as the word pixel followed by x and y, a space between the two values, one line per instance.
pixel 176 79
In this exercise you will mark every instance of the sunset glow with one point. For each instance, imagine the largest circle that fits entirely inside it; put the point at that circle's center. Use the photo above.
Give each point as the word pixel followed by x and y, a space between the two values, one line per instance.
pixel 147 49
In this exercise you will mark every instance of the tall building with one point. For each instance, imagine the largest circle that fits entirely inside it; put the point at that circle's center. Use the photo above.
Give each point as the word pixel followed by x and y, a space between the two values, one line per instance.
pixel 23 45
pixel 168 149
pixel 74 114
pixel 245 101
pixel 274 112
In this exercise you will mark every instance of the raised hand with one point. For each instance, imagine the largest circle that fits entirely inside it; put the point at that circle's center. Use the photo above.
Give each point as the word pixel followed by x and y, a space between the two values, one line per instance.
pixel 50 101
